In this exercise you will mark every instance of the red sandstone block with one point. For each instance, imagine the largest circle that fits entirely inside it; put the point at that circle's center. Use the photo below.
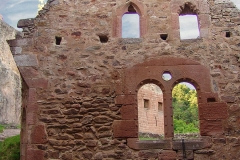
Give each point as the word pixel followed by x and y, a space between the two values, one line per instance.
pixel 37 83
pixel 189 145
pixel 137 144
pixel 209 128
pixel 38 135
pixel 31 118
pixel 31 114
pixel 32 95
pixel 33 154
pixel 26 60
pixel 204 32
pixel 32 108
pixel 125 128
pixel 204 20
pixel 125 99
pixel 189 154
pixel 118 88
pixel 28 72
pixel 23 150
pixel 129 112
pixel 213 111
pixel 20 42
pixel 175 21
pixel 207 97
pixel 167 155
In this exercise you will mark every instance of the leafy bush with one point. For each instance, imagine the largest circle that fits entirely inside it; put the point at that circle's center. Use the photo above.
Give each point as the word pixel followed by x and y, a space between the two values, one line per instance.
pixel 10 148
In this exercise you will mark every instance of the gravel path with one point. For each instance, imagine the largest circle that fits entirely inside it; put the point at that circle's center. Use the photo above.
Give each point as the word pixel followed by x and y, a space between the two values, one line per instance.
pixel 9 133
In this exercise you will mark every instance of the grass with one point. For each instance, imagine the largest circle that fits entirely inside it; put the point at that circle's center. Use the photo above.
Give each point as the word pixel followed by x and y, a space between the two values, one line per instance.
pixel 10 148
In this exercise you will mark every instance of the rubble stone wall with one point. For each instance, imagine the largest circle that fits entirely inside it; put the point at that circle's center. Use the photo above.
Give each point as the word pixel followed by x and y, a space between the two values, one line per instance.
pixel 10 80
pixel 80 97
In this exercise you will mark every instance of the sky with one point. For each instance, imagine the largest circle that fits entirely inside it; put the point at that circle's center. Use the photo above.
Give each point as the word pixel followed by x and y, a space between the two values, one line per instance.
pixel 14 10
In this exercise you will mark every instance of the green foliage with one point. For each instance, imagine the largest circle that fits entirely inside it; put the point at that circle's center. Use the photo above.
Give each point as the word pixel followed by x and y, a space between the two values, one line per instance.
pixel 10 148
pixel 1 128
pixel 185 109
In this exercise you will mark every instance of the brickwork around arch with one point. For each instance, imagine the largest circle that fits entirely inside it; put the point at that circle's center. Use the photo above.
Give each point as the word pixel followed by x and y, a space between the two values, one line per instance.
pixel 80 95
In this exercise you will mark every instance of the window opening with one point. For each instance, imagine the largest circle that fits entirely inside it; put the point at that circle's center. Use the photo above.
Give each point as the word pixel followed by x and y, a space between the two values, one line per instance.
pixel 130 24
pixel 188 22
pixel 185 110
pixel 150 120
pixel 160 107
pixel 166 76
pixel 228 34
pixel 103 38
pixel 146 103
pixel 58 40
pixel 164 36
pixel 211 99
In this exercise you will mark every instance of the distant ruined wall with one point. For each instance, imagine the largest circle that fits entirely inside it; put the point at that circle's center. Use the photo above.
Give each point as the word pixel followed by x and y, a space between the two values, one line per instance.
pixel 10 80
pixel 80 79
pixel 150 119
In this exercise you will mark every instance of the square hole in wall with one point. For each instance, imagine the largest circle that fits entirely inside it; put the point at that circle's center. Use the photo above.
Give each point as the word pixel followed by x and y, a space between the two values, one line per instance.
pixel 228 34
pixel 164 36
pixel 103 38
pixel 58 40
pixel 146 103
pixel 160 107
pixel 212 99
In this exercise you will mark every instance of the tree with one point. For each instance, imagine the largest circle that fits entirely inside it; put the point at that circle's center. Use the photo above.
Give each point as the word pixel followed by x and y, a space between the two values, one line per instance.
pixel 41 4
pixel 185 109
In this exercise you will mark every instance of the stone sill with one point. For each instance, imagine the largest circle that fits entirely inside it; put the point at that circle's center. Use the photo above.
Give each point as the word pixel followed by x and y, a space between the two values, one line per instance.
pixel 124 41
pixel 191 40
pixel 190 144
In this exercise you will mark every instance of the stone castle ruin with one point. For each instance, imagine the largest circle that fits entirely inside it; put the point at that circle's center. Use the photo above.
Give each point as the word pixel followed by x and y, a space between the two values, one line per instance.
pixel 80 79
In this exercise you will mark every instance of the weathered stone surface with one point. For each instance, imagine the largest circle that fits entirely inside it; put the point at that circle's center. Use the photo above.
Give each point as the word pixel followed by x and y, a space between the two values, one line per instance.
pixel 188 144
pixel 137 144
pixel 125 128
pixel 167 155
pixel 10 81
pixel 35 154
pixel 213 111
pixel 26 60
pixel 39 135
pixel 25 22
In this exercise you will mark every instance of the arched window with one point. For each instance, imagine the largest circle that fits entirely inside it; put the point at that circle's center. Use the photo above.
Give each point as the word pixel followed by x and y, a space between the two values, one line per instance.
pixel 129 20
pixel 130 23
pixel 188 21
pixel 150 112
pixel 185 109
